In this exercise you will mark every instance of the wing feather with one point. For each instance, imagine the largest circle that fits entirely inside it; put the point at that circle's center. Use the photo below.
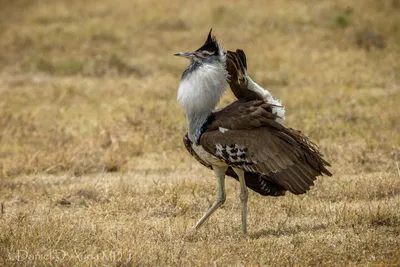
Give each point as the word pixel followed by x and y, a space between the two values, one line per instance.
pixel 279 156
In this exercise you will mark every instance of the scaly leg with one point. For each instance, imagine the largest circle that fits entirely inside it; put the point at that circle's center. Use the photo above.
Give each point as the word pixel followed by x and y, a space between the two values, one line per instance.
pixel 220 172
pixel 244 195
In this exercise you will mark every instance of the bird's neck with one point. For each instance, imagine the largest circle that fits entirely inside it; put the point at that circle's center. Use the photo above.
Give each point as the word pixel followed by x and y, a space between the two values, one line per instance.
pixel 200 91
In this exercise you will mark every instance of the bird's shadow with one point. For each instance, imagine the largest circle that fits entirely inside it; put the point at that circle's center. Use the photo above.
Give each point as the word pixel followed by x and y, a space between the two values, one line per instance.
pixel 281 231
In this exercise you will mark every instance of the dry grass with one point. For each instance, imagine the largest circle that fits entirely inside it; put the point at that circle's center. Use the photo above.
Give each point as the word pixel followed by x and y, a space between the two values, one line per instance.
pixel 87 102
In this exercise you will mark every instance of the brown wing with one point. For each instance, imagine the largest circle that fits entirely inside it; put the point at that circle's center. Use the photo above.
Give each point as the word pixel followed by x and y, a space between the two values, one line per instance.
pixel 243 114
pixel 255 182
pixel 256 143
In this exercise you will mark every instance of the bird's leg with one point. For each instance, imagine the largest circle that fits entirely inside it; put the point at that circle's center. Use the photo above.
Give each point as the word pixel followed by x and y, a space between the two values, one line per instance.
pixel 220 172
pixel 244 195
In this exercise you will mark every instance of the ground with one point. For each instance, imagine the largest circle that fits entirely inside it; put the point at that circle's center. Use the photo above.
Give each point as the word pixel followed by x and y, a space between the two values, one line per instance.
pixel 93 170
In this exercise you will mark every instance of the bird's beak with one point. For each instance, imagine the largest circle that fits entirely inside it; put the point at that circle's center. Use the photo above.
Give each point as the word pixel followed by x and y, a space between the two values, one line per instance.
pixel 185 54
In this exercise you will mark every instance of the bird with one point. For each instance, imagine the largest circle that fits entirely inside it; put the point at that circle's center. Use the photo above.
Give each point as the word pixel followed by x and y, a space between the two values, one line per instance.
pixel 246 139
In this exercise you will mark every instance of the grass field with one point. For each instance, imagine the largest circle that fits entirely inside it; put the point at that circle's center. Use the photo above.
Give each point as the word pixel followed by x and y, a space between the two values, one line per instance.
pixel 93 170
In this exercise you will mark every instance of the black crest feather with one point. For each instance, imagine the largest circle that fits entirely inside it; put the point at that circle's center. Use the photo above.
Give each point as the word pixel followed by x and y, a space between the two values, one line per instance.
pixel 210 45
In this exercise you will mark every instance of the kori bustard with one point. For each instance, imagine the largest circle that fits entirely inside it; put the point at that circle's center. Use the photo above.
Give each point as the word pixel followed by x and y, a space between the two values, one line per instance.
pixel 245 140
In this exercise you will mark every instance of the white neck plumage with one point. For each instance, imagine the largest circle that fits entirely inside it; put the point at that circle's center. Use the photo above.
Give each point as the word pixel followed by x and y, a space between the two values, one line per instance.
pixel 200 91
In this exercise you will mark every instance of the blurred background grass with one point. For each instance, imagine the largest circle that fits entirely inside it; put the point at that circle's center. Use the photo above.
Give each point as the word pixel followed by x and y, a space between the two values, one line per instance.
pixel 88 86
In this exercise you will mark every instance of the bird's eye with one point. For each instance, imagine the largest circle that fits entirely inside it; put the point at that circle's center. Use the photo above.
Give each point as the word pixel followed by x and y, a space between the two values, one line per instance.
pixel 205 53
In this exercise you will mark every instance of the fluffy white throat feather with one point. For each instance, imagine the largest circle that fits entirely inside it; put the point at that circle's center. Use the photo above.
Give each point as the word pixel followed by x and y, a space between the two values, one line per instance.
pixel 201 90
pixel 199 93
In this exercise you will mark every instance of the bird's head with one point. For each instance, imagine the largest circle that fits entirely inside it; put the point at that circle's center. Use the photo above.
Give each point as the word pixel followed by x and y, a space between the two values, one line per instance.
pixel 209 51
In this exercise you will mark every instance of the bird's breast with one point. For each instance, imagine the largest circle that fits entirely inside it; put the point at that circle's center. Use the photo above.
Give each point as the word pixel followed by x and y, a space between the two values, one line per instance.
pixel 207 157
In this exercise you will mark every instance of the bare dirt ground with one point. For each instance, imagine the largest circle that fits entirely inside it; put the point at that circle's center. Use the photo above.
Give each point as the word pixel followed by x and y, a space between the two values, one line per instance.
pixel 92 166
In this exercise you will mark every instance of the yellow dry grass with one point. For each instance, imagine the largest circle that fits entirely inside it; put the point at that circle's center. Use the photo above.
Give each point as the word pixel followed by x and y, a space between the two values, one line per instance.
pixel 92 166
